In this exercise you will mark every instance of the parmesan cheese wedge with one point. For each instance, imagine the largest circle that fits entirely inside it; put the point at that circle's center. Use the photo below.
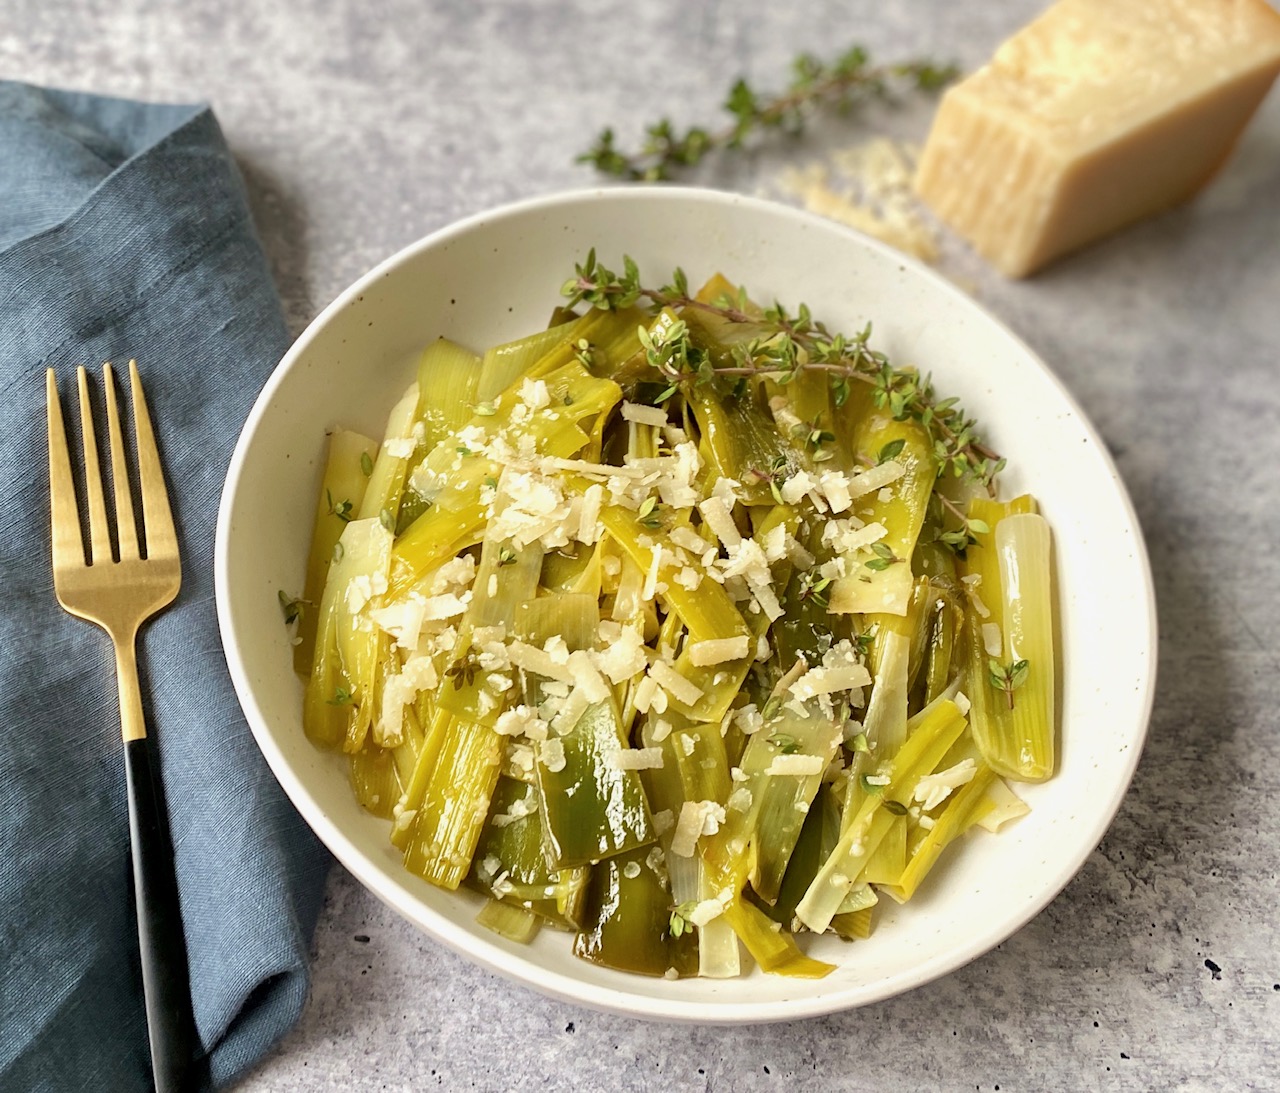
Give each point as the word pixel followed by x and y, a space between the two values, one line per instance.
pixel 1098 113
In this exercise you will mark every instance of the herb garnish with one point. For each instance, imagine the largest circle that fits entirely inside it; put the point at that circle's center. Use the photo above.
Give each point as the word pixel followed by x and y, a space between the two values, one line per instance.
pixel 1007 678
pixel 789 345
pixel 841 85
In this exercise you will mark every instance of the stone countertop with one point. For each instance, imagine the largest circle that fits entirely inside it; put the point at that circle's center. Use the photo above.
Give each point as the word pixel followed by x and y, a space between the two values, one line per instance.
pixel 362 127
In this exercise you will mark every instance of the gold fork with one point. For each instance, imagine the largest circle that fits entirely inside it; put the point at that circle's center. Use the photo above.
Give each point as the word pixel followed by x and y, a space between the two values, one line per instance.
pixel 119 596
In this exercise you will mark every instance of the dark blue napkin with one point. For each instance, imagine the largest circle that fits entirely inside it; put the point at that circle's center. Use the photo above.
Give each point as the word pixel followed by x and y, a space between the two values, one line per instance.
pixel 125 232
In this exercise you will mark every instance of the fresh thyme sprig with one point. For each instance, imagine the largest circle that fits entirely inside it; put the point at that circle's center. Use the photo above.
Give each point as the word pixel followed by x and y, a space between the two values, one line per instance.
pixel 849 81
pixel 788 344
pixel 1007 678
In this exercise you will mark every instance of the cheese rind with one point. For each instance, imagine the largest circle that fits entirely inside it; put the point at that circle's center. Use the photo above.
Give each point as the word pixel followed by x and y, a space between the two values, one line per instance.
pixel 1098 113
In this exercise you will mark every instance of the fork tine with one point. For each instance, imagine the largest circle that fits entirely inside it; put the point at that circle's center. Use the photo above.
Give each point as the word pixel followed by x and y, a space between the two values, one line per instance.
pixel 68 546
pixel 126 531
pixel 99 535
pixel 161 538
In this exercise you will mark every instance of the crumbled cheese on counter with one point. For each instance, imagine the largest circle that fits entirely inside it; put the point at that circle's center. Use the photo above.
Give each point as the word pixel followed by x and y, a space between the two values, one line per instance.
pixel 932 789
pixel 635 759
pixel 703 654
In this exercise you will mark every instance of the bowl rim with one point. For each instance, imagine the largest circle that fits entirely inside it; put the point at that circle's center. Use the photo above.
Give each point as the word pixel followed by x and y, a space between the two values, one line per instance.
pixel 526 972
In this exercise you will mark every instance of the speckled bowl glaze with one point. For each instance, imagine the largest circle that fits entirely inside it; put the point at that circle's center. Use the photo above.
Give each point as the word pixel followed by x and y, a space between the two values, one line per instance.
pixel 496 276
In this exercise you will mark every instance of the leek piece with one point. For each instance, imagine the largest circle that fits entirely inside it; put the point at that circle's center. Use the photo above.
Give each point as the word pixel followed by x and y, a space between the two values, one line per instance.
pixel 776 803
pixel 375 780
pixel 410 747
pixel 706 611
pixel 448 375
pixel 1023 544
pixel 509 865
pixel 454 477
pixel 415 789
pixel 503 365
pixel 886 864
pixel 930 735
pixel 1017 744
pixel 956 817
pixel 629 921
pixel 853 925
pixel 818 836
pixel 591 809
pixel 873 582
pixel 338 706
pixel 505 578
pixel 514 923
pixel 738 440
pixel 774 950
pixel 1000 805
pixel 341 491
pixel 940 650
pixel 386 482
pixel 447 825
pixel 726 861
pixel 682 778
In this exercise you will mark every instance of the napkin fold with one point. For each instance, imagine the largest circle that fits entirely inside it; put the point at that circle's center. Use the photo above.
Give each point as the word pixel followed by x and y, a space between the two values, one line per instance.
pixel 125 233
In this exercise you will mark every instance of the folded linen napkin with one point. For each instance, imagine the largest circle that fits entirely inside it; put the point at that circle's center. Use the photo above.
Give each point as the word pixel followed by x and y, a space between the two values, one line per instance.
pixel 125 232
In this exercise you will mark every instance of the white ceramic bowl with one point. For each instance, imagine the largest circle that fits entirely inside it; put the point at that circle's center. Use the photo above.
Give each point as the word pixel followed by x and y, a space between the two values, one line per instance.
pixel 494 277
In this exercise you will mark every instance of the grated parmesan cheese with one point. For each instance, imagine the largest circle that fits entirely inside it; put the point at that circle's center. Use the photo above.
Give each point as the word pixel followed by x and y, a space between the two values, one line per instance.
pixel 697 818
pixel 635 759
pixel 644 415
pixel 801 766
pixel 703 654
pixel 671 681
pixel 932 789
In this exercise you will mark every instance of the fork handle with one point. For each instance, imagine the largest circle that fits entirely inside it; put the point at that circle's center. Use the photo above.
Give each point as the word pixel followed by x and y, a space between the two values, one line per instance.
pixel 165 981
pixel 165 984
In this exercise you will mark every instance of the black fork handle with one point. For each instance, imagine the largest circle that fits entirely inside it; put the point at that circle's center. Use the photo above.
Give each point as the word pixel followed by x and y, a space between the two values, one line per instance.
pixel 165 982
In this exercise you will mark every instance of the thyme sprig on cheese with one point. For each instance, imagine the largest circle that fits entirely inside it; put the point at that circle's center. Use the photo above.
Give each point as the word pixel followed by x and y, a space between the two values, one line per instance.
pixel 786 346
pixel 839 86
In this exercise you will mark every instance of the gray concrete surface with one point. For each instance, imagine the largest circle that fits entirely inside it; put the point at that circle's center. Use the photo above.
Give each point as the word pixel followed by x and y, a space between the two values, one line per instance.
pixel 361 127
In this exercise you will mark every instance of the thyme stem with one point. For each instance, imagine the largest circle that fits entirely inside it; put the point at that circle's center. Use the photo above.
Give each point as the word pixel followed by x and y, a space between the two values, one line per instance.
pixel 842 84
